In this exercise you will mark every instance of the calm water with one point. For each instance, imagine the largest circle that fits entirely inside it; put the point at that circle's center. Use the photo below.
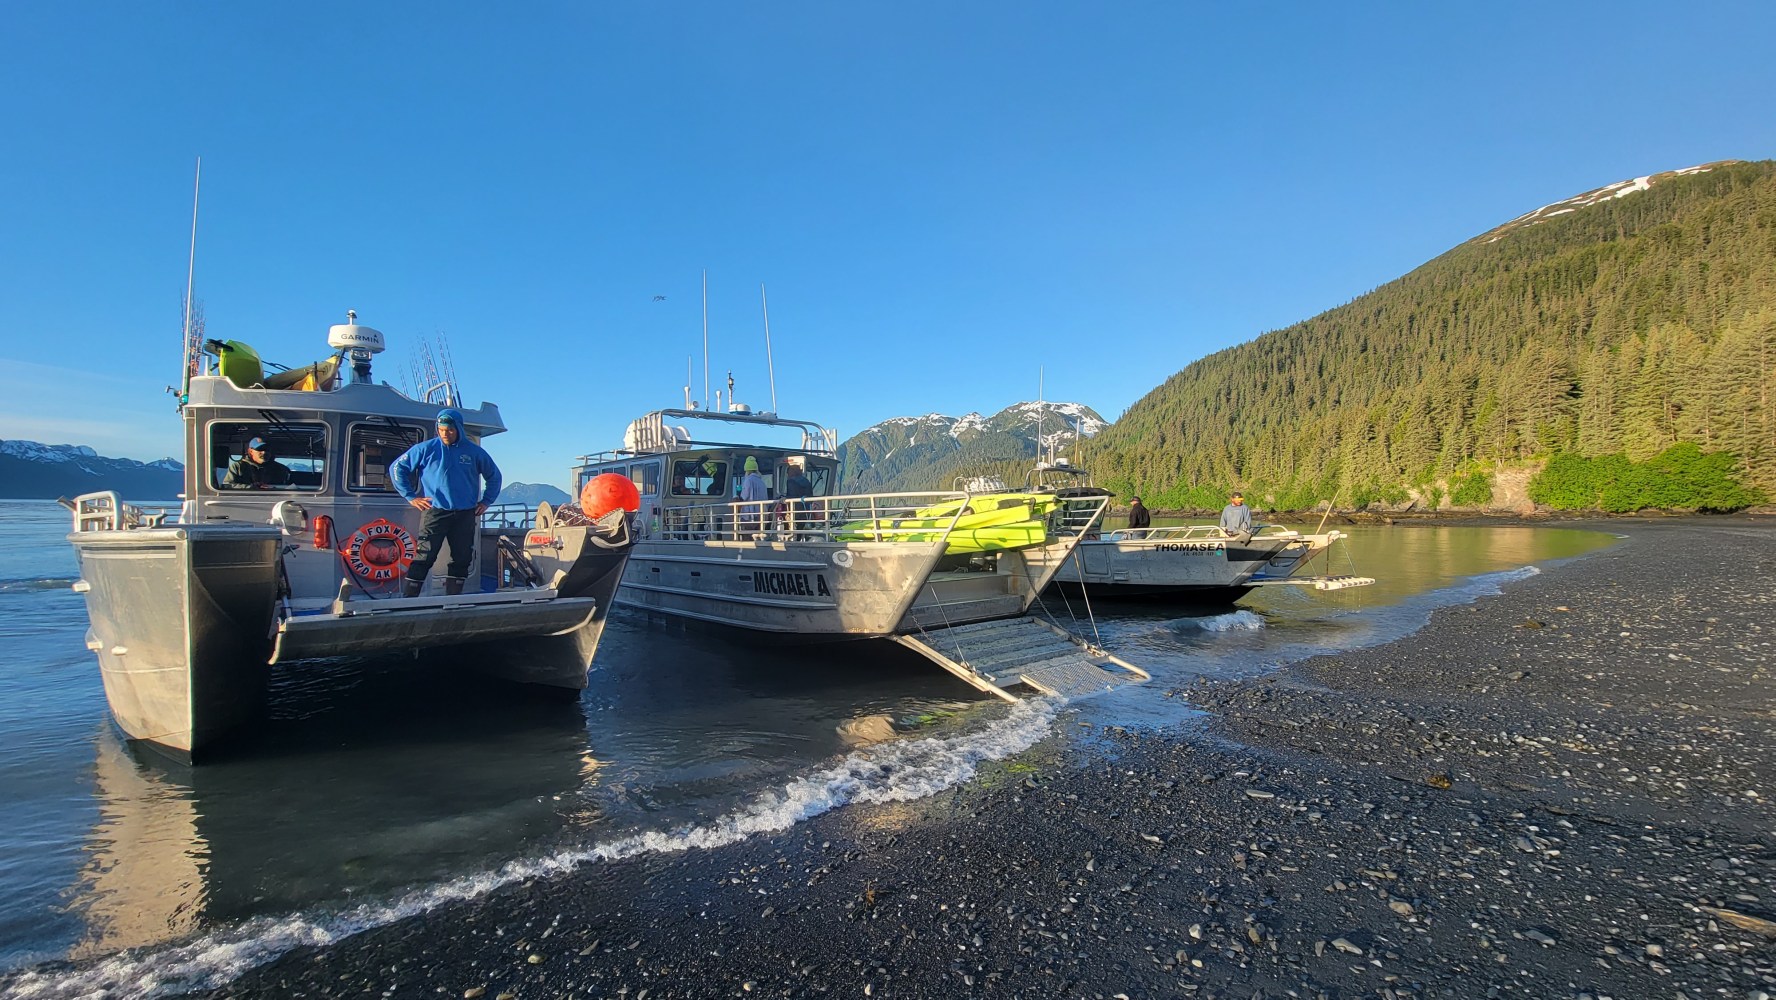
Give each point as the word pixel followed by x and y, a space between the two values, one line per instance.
pixel 377 788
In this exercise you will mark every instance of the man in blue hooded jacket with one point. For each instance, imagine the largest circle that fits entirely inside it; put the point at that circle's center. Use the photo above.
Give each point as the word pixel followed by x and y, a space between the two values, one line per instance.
pixel 443 478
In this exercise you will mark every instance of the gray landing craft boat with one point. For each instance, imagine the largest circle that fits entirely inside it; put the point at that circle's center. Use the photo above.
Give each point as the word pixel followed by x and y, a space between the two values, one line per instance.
pixel 190 607
pixel 1197 562
pixel 948 574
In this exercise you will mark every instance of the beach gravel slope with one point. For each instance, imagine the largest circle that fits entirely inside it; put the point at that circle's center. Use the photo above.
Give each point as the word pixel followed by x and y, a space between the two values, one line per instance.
pixel 1560 791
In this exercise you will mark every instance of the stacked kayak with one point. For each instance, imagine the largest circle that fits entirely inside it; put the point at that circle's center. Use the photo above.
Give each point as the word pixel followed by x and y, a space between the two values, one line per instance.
pixel 992 523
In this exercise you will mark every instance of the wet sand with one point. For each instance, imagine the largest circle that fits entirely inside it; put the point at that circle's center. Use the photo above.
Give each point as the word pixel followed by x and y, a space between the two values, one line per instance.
pixel 1561 791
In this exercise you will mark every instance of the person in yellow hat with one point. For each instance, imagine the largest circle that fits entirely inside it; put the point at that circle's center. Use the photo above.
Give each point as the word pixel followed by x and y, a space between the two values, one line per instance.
pixel 753 488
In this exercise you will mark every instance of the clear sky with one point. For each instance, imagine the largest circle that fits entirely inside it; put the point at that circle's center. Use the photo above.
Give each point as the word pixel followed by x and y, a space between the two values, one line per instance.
pixel 941 197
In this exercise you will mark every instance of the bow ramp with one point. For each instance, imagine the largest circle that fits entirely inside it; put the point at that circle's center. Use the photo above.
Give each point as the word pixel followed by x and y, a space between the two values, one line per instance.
pixel 999 657
pixel 1337 582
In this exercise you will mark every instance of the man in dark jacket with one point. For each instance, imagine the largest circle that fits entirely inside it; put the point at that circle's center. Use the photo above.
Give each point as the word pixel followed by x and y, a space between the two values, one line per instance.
pixel 1138 515
pixel 256 469
pixel 443 478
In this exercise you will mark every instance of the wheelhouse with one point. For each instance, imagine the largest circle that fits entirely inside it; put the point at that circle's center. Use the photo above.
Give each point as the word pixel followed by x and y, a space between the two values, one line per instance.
pixel 675 469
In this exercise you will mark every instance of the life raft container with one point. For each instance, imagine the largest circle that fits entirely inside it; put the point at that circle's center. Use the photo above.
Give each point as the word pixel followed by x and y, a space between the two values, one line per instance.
pixel 379 551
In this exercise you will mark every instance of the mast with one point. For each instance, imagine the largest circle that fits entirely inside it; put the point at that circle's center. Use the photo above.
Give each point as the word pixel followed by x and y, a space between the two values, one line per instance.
pixel 770 366
pixel 190 273
pixel 706 339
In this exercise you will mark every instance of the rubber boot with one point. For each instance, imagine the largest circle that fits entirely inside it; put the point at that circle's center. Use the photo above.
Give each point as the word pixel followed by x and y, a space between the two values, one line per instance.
pixel 411 587
pixel 453 585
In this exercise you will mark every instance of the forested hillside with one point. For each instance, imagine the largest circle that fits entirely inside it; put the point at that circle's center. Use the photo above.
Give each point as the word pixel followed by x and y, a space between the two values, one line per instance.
pixel 1622 322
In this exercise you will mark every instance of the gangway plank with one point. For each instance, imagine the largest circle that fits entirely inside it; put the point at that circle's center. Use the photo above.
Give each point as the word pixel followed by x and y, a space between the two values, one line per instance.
pixel 1023 653
pixel 1343 582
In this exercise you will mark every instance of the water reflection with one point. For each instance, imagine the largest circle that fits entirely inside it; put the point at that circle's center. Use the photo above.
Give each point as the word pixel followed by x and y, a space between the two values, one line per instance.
pixel 366 804
pixel 371 776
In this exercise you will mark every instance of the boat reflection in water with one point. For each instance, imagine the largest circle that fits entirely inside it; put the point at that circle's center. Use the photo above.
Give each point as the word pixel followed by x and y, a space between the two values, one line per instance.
pixel 331 802
pixel 372 776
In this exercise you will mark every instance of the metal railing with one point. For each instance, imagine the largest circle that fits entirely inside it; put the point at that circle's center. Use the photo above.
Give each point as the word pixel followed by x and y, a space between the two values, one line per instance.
pixel 106 511
pixel 875 517
pixel 508 515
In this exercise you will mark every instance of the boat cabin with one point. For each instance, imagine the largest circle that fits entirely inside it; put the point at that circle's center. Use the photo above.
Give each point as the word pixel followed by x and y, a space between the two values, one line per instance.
pixel 313 456
pixel 683 477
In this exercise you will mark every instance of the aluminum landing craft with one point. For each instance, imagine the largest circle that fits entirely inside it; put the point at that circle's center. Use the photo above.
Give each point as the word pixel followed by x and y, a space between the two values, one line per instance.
pixel 807 565
pixel 1198 563
pixel 191 607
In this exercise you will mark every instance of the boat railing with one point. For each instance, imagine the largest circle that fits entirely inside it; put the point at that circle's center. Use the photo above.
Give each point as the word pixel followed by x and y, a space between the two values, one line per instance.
pixel 881 517
pixel 106 511
pixel 508 515
pixel 814 519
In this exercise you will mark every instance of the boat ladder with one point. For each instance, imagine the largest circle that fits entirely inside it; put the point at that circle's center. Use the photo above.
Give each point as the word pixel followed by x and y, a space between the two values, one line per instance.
pixel 1337 582
pixel 1023 654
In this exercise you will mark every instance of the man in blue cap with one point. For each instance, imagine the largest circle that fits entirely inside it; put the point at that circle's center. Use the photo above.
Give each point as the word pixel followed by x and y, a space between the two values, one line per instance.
pixel 256 469
pixel 443 477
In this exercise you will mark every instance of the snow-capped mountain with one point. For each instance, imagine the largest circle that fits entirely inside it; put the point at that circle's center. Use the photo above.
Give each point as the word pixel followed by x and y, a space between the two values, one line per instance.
pixel 910 453
pixel 1609 192
pixel 30 470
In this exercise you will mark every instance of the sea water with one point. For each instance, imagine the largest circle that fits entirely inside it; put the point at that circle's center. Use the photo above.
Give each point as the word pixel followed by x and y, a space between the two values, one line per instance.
pixel 376 787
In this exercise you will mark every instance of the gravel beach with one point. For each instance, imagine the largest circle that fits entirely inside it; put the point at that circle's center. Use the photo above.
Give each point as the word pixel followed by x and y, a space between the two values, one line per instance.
pixel 1561 791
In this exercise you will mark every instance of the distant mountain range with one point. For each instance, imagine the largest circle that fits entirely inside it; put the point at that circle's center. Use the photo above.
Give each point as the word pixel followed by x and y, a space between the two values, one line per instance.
pixel 929 452
pixel 33 471
pixel 531 494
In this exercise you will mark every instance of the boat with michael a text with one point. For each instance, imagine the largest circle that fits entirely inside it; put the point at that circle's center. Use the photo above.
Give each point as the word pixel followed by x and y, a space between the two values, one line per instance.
pixel 742 525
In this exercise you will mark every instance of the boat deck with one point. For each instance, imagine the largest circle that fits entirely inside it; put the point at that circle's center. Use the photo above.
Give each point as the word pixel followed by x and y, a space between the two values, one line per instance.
pixel 1015 655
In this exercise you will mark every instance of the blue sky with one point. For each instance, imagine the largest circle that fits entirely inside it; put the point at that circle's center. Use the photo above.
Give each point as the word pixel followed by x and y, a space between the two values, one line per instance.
pixel 941 197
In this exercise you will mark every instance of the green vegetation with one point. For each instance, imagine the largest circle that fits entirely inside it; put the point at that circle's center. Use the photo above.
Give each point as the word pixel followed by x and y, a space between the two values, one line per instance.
pixel 1471 490
pixel 1682 477
pixel 1598 339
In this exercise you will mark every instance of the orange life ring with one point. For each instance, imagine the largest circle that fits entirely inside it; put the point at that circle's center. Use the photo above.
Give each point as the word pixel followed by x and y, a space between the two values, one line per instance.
pixel 379 551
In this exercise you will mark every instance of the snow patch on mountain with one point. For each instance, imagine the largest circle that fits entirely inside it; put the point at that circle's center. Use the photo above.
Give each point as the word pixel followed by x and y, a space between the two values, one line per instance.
pixel 1609 192
pixel 80 455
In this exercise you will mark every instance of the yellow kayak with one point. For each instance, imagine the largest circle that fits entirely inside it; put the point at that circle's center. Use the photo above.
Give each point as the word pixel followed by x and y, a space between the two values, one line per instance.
pixel 990 523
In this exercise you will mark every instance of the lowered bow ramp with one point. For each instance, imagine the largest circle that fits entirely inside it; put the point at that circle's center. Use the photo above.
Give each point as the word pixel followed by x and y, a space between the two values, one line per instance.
pixel 1000 656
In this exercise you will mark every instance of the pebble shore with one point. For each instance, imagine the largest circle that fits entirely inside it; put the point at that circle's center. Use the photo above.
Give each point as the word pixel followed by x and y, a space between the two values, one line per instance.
pixel 1561 791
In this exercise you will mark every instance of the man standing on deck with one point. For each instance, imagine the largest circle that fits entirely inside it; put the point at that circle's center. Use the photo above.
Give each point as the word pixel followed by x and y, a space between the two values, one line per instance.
pixel 1139 516
pixel 443 477
pixel 1236 518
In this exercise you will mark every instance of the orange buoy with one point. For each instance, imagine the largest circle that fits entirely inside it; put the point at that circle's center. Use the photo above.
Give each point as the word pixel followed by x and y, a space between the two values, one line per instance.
pixel 605 493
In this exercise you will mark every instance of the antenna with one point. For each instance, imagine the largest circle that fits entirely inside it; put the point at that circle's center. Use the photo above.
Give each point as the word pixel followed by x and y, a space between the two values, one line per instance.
pixel 1040 410
pixel 190 273
pixel 770 366
pixel 687 381
pixel 706 339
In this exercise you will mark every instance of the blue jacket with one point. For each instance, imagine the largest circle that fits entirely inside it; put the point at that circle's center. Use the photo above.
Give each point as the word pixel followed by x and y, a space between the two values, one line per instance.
pixel 447 474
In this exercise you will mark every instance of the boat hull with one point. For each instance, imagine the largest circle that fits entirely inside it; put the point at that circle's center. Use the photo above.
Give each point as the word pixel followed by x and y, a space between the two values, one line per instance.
pixel 186 623
pixel 181 620
pixel 1203 569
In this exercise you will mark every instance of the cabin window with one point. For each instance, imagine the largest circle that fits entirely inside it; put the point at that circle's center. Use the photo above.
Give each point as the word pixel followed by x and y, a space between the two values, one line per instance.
pixel 699 477
pixel 374 448
pixel 821 476
pixel 646 477
pixel 291 456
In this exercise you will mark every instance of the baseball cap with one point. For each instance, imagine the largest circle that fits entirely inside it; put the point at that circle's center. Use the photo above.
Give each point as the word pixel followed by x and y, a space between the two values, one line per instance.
pixel 257 444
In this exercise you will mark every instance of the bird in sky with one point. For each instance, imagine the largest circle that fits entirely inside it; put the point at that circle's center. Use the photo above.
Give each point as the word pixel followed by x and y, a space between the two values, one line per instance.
pixel 659 298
